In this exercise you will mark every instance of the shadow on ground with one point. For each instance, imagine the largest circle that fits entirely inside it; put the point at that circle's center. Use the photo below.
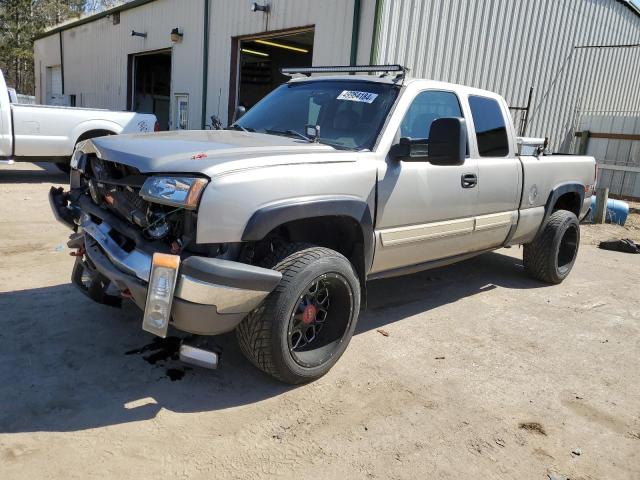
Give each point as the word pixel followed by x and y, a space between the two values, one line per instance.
pixel 64 368
pixel 45 173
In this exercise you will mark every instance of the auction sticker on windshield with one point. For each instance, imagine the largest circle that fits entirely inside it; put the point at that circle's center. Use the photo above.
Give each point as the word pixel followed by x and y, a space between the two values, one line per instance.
pixel 354 96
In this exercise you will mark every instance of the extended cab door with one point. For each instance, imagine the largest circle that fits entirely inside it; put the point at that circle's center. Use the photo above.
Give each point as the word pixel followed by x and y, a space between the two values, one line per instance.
pixel 424 211
pixel 499 171
pixel 6 135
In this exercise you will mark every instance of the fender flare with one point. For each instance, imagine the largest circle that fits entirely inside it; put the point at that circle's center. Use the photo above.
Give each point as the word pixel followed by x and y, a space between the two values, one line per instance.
pixel 557 192
pixel 272 216
pixel 94 125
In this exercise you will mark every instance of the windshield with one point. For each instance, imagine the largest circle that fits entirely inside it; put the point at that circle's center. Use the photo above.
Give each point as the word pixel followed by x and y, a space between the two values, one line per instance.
pixel 350 113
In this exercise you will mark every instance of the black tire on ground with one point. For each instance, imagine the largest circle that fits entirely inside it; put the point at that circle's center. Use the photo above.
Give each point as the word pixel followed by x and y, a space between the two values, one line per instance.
pixel 551 255
pixel 275 336
pixel 64 167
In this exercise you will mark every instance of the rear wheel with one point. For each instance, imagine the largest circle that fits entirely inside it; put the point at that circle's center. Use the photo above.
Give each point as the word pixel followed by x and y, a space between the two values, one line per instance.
pixel 304 325
pixel 66 166
pixel 551 255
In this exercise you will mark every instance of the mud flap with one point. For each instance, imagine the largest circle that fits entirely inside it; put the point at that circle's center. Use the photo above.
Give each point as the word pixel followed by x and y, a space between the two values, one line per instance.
pixel 93 284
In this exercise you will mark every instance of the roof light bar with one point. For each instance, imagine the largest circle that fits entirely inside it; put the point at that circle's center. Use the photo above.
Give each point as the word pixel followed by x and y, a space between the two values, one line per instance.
pixel 342 69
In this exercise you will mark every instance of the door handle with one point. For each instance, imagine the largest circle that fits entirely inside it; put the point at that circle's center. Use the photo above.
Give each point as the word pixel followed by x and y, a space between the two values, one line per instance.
pixel 469 180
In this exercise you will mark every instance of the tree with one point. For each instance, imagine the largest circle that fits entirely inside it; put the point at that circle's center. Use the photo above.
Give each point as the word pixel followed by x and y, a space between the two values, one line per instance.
pixel 22 20
pixel 95 6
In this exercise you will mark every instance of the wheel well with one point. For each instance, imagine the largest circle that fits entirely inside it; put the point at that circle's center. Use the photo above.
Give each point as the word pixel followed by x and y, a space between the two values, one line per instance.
pixel 94 134
pixel 340 233
pixel 568 201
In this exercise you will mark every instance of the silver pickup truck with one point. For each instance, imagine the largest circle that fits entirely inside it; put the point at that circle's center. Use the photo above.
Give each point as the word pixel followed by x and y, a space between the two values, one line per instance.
pixel 273 227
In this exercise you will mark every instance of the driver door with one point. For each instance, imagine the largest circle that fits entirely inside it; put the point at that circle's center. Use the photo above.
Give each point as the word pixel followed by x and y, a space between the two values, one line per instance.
pixel 425 211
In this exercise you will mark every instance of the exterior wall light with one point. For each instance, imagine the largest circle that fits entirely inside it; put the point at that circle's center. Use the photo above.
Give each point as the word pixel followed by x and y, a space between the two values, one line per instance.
pixel 176 35
pixel 255 7
pixel 138 34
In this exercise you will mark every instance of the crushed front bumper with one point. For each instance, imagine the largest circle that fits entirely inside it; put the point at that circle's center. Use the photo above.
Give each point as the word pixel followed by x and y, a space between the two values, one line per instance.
pixel 211 297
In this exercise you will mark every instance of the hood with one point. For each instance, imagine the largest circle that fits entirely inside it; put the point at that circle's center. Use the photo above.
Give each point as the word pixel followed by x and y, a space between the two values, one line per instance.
pixel 207 151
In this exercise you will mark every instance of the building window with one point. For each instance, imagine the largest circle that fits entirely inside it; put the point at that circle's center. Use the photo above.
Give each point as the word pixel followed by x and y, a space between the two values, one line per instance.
pixel 491 130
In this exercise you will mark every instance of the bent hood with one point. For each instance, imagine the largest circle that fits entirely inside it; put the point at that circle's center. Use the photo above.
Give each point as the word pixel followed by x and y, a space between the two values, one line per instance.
pixel 208 151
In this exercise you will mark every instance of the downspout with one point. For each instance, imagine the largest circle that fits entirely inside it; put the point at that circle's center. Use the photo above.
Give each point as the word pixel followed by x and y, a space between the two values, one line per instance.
pixel 376 32
pixel 205 64
pixel 355 32
pixel 61 61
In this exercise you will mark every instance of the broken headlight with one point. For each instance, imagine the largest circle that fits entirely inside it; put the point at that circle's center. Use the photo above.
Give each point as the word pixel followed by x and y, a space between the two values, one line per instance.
pixel 182 192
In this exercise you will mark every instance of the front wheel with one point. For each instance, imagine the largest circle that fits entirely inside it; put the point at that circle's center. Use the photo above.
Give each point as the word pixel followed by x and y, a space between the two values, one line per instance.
pixel 551 255
pixel 303 326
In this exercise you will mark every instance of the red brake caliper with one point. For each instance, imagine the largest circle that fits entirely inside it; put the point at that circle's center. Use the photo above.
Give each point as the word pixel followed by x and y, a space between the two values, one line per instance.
pixel 309 314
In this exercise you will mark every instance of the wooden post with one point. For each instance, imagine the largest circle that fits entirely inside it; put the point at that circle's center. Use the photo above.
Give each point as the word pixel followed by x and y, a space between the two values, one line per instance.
pixel 584 142
pixel 602 195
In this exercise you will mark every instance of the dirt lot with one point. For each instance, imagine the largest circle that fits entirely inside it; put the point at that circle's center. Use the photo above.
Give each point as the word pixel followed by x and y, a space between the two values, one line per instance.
pixel 484 374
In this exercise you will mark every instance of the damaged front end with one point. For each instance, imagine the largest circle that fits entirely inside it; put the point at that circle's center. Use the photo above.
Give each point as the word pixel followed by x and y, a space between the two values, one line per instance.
pixel 135 238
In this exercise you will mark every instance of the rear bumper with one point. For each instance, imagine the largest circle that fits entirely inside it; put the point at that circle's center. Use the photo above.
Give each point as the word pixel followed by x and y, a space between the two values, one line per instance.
pixel 212 295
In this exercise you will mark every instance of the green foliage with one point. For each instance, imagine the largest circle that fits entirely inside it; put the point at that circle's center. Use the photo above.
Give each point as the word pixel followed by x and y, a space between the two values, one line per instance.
pixel 21 21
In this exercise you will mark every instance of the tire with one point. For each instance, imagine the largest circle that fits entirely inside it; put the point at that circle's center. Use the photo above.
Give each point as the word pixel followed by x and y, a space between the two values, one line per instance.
pixel 64 167
pixel 551 255
pixel 271 337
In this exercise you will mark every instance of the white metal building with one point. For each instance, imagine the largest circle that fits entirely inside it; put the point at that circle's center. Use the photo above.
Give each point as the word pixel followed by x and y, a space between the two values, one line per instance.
pixel 187 60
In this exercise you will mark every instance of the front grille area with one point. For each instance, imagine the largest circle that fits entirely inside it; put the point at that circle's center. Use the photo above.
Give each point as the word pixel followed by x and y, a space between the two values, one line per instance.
pixel 103 170
pixel 116 187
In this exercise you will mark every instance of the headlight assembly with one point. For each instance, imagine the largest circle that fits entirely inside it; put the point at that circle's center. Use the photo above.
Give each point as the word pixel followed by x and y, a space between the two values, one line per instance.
pixel 182 192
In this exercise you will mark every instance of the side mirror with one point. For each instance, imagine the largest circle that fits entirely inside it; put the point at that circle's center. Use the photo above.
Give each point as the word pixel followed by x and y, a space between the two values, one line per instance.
pixel 448 141
pixel 410 150
pixel 240 111
pixel 447 144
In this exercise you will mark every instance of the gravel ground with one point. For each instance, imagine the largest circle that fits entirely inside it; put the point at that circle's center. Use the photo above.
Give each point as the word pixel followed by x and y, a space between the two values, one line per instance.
pixel 482 373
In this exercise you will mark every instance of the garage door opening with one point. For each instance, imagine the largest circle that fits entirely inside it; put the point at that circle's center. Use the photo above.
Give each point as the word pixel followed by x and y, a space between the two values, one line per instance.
pixel 150 85
pixel 260 60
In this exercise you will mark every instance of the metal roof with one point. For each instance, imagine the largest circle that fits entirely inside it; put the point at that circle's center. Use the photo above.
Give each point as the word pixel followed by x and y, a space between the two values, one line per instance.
pixel 631 6
pixel 138 3
pixel 91 18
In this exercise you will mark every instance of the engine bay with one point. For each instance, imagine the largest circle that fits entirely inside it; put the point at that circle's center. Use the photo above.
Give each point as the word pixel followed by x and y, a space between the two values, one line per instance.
pixel 116 187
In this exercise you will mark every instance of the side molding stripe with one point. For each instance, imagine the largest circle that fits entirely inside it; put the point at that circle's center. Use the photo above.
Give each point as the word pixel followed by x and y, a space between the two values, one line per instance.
pixel 418 233
pixel 494 220
pixel 460 226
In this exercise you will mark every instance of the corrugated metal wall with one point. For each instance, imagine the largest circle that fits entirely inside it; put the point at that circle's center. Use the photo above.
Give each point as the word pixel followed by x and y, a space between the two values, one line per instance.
pixel 508 45
pixel 619 159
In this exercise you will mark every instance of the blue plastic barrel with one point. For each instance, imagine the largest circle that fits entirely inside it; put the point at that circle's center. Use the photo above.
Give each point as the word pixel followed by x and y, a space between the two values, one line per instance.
pixel 617 210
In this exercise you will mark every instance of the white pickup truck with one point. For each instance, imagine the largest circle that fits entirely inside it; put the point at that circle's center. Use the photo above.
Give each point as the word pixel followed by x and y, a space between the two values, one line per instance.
pixel 38 133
